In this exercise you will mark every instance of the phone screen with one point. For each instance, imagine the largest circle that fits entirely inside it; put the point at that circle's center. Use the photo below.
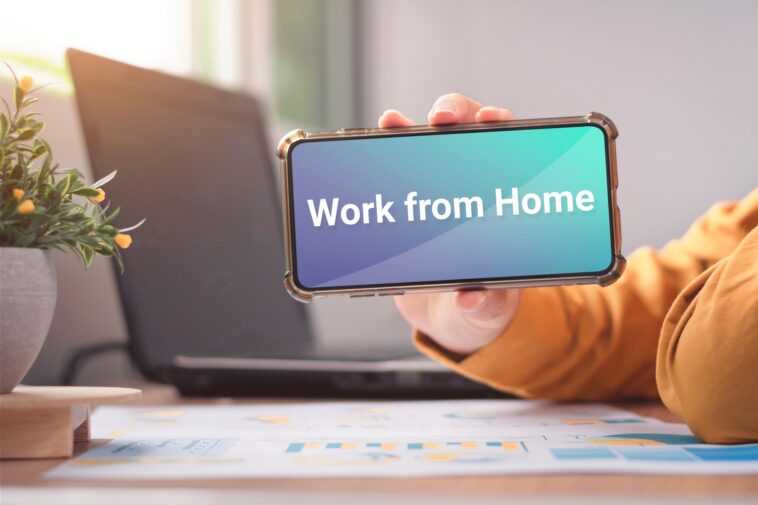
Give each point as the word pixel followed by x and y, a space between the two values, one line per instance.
pixel 450 207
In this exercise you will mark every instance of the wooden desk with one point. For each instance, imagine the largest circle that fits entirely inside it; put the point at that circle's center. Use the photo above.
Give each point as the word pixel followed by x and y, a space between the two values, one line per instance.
pixel 29 474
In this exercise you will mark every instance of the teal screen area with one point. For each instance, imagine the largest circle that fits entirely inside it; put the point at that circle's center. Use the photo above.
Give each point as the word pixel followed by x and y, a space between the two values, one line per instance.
pixel 459 206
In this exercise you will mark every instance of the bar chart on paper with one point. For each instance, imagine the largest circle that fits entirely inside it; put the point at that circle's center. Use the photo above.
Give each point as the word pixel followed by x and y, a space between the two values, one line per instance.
pixel 508 445
pixel 441 451
pixel 399 439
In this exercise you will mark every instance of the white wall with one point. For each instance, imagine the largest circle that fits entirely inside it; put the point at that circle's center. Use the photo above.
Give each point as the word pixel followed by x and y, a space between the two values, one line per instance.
pixel 679 78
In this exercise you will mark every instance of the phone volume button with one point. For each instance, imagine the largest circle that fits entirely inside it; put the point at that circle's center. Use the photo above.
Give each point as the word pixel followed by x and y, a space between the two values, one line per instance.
pixel 352 131
pixel 618 225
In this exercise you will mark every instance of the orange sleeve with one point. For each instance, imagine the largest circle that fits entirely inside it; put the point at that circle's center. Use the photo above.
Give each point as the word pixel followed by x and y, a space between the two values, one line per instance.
pixel 707 366
pixel 588 342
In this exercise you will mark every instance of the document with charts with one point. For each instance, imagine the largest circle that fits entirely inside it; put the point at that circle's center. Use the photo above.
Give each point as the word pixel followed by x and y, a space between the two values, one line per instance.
pixel 392 439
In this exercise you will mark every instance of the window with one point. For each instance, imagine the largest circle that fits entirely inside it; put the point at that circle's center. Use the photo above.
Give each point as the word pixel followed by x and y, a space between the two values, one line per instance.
pixel 186 37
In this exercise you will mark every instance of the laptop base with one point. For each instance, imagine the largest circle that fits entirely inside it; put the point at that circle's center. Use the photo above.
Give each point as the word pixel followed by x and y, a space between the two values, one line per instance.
pixel 196 381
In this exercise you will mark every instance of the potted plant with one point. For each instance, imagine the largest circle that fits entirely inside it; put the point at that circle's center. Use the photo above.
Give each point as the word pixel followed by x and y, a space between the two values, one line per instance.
pixel 42 207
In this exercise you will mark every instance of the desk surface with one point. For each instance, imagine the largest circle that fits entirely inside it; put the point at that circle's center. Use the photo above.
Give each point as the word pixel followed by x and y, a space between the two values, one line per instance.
pixel 28 473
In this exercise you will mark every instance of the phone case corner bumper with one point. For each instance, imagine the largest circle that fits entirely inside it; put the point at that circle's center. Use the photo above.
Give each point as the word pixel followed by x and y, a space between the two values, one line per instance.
pixel 287 141
pixel 604 122
pixel 614 273
pixel 295 291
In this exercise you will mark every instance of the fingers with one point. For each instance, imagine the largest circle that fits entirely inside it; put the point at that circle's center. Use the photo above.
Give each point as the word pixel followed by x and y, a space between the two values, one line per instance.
pixel 449 109
pixel 453 108
pixel 489 113
pixel 394 119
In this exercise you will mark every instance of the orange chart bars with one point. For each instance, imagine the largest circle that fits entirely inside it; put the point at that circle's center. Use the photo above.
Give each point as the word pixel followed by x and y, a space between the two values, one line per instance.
pixel 506 445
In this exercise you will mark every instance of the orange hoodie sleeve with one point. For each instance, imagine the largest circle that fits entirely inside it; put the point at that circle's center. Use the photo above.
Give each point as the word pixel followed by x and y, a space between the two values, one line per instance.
pixel 707 367
pixel 588 342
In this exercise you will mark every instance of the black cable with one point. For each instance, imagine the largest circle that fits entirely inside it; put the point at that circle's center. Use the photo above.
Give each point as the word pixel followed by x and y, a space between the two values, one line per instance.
pixel 76 361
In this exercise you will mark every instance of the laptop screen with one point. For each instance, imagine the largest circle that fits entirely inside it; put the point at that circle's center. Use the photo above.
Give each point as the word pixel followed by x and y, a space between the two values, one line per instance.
pixel 204 274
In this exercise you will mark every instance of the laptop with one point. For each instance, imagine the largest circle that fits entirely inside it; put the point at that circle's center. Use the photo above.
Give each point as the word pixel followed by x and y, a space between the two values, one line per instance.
pixel 202 289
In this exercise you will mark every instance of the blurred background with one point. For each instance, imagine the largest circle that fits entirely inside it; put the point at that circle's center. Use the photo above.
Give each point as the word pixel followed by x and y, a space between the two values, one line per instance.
pixel 677 77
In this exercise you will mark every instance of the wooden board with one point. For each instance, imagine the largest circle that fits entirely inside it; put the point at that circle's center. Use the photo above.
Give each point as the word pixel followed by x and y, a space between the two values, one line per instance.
pixel 44 421
pixel 34 396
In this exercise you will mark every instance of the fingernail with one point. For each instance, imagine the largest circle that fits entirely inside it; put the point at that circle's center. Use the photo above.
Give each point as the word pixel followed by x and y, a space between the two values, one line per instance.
pixel 445 107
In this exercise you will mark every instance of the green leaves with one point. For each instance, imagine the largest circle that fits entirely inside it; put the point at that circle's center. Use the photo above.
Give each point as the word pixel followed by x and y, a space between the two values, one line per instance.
pixel 87 255
pixel 42 206
pixel 85 191
pixel 26 134
pixel 28 101
pixel 18 97
pixel 105 180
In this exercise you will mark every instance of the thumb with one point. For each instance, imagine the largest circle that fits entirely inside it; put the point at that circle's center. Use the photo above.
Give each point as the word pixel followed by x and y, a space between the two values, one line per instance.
pixel 490 309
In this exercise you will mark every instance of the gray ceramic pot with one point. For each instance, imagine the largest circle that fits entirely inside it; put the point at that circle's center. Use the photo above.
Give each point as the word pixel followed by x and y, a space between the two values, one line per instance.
pixel 28 290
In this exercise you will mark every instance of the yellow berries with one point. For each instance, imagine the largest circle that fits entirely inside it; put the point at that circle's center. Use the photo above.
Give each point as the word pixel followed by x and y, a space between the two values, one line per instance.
pixel 100 196
pixel 123 240
pixel 25 84
pixel 18 194
pixel 25 207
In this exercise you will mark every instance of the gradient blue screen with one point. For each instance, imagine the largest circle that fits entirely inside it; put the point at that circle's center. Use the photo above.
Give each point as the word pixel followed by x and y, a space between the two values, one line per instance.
pixel 471 247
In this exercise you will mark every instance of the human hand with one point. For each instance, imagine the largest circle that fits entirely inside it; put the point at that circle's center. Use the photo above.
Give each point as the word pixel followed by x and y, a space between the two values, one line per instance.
pixel 462 321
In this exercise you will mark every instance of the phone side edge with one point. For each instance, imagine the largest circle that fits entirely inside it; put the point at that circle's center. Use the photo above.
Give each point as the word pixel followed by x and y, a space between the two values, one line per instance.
pixel 283 151
pixel 618 265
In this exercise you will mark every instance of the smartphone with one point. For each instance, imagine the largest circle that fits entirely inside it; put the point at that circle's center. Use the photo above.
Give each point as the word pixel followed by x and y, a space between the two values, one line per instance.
pixel 473 206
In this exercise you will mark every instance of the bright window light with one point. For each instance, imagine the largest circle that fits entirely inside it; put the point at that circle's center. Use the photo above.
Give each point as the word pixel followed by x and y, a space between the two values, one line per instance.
pixel 148 33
